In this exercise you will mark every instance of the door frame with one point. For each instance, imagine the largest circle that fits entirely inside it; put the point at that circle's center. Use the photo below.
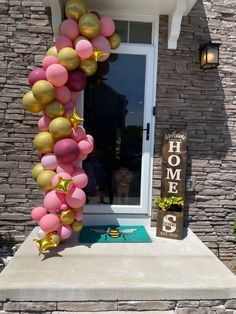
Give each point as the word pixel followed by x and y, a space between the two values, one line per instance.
pixel 144 209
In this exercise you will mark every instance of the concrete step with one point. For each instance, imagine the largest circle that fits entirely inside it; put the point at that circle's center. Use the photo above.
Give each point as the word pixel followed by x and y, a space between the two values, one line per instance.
pixel 162 270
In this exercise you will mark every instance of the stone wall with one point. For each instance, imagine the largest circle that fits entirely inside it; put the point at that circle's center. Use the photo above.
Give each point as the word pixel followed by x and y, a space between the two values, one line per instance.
pixel 25 35
pixel 168 307
pixel 190 98
pixel 203 102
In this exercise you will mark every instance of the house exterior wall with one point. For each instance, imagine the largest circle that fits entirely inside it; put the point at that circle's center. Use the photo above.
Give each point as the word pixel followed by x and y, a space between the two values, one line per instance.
pixel 187 98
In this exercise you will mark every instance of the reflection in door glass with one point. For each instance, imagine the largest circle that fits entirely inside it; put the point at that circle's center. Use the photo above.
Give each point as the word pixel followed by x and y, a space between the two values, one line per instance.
pixel 113 113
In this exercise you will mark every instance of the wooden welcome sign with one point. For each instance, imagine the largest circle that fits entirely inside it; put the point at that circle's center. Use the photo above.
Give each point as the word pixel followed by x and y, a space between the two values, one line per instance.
pixel 174 156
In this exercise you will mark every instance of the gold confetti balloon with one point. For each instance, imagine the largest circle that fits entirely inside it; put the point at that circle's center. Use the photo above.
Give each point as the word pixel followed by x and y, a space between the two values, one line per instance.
pixel 68 58
pixel 114 41
pixel 43 142
pixel 89 25
pixel 77 226
pixel 31 104
pixel 88 66
pixel 44 179
pixel 52 51
pixel 67 217
pixel 37 169
pixel 54 109
pixel 44 92
pixel 60 128
pixel 75 9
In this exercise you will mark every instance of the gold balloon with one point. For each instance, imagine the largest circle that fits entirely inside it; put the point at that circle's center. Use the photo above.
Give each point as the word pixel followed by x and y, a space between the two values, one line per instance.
pixel 77 226
pixel 75 9
pixel 67 217
pixel 44 91
pixel 37 169
pixel 43 142
pixel 97 55
pixel 114 41
pixel 89 25
pixel 60 128
pixel 63 184
pixel 88 66
pixel 52 51
pixel 44 179
pixel 68 58
pixel 78 39
pixel 75 119
pixel 78 210
pixel 31 104
pixel 51 241
pixel 54 109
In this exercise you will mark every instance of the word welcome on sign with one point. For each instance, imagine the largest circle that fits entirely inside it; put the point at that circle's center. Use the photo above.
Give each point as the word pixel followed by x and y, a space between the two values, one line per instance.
pixel 174 155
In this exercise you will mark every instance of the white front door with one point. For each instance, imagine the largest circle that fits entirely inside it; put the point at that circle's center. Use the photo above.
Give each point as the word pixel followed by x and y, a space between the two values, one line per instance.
pixel 118 113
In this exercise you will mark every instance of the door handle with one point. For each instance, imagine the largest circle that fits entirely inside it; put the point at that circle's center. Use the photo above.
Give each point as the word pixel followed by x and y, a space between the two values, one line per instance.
pixel 147 131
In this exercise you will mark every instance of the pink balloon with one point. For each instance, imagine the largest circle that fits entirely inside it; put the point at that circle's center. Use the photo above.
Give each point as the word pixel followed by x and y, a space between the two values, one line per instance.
pixel 70 169
pixel 77 81
pixel 75 198
pixel 101 43
pixel 82 156
pixel 69 105
pixel 64 175
pixel 66 151
pixel 37 74
pixel 63 42
pixel 78 134
pixel 75 96
pixel 49 60
pixel 80 179
pixel 84 49
pixel 53 201
pixel 70 29
pixel 38 212
pixel 64 231
pixel 85 147
pixel 49 162
pixel 43 123
pixel 64 207
pixel 107 26
pixel 49 223
pixel 79 216
pixel 63 94
pixel 90 138
pixel 57 75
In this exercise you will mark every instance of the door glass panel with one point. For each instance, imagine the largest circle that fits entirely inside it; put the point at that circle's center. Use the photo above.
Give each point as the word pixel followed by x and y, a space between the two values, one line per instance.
pixel 140 33
pixel 113 113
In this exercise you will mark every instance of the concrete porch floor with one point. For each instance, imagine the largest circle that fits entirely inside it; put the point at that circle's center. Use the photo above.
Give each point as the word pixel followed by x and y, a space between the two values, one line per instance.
pixel 162 270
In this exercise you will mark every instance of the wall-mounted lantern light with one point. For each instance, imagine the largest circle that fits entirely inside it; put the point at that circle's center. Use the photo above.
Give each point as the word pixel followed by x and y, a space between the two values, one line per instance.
pixel 209 56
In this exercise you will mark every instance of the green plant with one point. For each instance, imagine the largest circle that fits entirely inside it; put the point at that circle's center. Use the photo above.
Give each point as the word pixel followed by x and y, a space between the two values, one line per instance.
pixel 234 228
pixel 172 203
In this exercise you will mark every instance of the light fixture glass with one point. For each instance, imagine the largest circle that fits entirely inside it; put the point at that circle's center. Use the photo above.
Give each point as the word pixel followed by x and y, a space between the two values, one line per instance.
pixel 209 56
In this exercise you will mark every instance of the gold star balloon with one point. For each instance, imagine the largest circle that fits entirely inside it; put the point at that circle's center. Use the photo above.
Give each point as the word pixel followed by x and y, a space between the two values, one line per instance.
pixel 75 119
pixel 63 184
pixel 51 241
pixel 97 54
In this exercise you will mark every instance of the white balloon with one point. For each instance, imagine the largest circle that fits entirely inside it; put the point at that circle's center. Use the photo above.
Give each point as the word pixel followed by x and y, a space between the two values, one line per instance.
pixel 41 234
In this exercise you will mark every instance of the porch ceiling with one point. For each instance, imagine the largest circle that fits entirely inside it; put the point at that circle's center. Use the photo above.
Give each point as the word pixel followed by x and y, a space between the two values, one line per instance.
pixel 175 9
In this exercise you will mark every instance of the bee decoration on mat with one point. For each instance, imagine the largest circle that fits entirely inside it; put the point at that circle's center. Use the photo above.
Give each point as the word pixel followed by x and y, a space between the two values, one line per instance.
pixel 114 233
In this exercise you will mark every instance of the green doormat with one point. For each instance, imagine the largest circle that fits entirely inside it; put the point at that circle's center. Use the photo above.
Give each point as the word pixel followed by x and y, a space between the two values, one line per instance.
pixel 114 234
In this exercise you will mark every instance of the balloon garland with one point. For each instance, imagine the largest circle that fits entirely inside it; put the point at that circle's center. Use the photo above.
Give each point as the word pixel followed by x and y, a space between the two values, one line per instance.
pixel 85 40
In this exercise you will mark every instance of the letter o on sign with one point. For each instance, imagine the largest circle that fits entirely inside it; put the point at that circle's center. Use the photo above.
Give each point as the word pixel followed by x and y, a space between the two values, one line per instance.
pixel 174 160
